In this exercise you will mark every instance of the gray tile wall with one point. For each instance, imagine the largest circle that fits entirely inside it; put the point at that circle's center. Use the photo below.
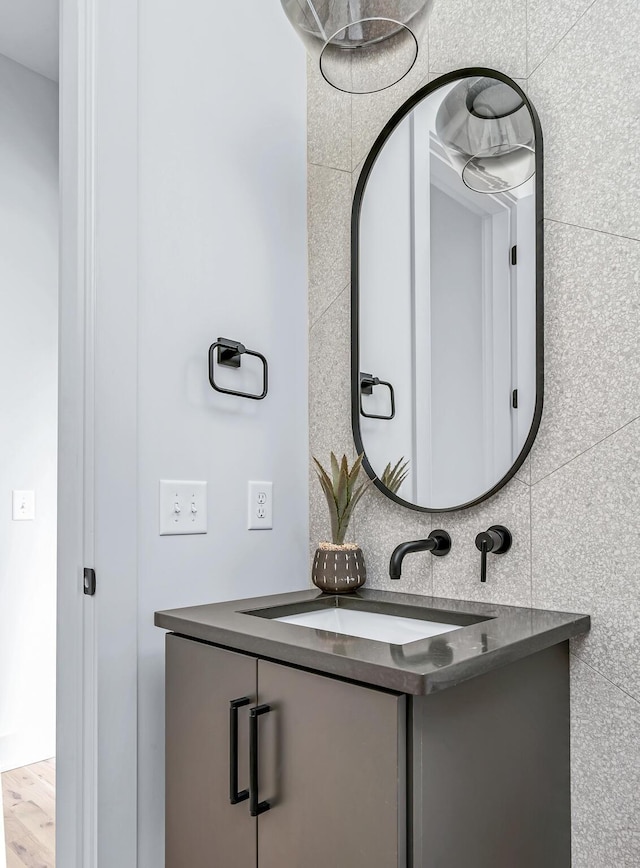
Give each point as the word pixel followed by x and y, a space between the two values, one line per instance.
pixel 574 508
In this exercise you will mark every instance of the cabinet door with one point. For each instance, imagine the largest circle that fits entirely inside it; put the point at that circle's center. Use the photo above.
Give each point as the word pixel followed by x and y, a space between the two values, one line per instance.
pixel 332 767
pixel 203 829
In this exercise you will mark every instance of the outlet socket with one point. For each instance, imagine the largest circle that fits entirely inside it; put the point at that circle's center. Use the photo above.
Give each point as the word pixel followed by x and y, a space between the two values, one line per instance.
pixel 260 506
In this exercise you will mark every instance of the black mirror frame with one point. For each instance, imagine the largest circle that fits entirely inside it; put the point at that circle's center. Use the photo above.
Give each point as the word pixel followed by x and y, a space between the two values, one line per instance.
pixel 368 165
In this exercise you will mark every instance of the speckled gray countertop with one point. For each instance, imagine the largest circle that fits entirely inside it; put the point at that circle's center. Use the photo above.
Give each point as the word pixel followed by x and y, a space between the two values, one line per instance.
pixel 490 636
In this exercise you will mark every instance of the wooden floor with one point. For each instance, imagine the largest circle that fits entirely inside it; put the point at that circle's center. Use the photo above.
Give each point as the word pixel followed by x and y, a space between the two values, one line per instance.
pixel 29 815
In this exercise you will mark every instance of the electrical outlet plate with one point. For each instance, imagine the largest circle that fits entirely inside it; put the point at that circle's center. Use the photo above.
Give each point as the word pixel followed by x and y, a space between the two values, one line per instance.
pixel 183 507
pixel 24 505
pixel 260 506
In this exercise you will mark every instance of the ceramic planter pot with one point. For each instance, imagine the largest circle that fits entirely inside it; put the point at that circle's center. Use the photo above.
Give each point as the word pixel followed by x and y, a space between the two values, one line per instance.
pixel 338 569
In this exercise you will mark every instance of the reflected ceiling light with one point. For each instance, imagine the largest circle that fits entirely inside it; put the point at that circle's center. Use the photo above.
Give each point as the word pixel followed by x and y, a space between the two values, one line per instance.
pixel 487 128
pixel 361 46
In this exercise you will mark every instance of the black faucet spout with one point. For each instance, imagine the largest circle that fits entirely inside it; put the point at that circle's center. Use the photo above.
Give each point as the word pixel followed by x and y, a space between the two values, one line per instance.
pixel 438 543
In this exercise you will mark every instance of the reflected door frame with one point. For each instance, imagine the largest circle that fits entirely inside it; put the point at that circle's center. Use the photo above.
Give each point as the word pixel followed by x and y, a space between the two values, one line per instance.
pixel 498 215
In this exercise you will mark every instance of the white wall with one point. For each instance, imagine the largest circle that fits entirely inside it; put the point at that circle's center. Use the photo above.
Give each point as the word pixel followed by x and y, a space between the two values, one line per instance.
pixel 28 397
pixel 222 228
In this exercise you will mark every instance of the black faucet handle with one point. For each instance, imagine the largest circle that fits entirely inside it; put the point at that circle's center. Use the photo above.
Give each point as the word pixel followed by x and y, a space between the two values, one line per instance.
pixel 442 543
pixel 497 540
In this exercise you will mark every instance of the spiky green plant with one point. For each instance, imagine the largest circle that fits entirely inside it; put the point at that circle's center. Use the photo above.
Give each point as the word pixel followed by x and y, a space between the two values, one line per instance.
pixel 342 491
pixel 392 478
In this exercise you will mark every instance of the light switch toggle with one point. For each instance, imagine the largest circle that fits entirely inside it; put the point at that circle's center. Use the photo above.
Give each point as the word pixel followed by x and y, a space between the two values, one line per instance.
pixel 24 505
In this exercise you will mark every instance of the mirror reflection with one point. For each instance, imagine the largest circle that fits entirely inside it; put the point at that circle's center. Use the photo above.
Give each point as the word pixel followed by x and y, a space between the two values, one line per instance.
pixel 446 372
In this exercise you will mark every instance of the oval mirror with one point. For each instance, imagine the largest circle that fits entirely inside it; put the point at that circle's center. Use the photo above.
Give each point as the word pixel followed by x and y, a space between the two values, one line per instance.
pixel 447 366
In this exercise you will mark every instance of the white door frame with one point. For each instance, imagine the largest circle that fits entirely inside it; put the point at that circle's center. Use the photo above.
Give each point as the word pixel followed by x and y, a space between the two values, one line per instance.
pixel 97 473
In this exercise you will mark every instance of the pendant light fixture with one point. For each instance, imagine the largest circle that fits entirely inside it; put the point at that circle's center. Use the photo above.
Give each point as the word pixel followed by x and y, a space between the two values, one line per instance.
pixel 487 129
pixel 361 46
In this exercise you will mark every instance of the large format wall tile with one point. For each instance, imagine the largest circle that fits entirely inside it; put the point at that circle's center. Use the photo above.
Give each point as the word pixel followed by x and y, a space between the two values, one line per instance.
pixel 605 776
pixel 548 22
pixel 508 576
pixel 587 93
pixel 329 382
pixel 329 221
pixel 576 529
pixel 586 551
pixel 328 122
pixel 464 33
pixel 592 322
pixel 371 111
pixel 329 404
pixel 381 525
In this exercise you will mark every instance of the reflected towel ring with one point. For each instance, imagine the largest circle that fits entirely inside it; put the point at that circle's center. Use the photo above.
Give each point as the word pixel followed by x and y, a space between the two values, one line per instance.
pixel 367 382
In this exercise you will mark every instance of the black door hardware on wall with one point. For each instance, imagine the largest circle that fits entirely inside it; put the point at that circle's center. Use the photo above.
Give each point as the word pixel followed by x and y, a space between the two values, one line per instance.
pixel 230 356
pixel 235 796
pixel 496 540
pixel 367 382
pixel 89 583
pixel 438 543
pixel 255 806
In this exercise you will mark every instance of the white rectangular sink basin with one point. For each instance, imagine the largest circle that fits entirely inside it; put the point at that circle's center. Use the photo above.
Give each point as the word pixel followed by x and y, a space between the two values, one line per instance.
pixel 369 625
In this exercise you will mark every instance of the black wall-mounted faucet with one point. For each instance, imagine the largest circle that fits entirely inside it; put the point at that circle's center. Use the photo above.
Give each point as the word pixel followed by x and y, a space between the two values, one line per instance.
pixel 496 540
pixel 438 543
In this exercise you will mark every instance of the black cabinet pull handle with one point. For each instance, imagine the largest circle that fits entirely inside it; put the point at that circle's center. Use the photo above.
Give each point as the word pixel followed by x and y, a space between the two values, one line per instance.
pixel 234 795
pixel 255 807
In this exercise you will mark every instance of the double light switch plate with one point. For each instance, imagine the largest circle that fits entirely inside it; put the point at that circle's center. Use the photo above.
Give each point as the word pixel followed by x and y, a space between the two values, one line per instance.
pixel 183 507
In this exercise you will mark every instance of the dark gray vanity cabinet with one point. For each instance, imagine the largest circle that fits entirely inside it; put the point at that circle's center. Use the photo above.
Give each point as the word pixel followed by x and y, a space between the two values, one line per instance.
pixel 202 827
pixel 446 752
pixel 331 766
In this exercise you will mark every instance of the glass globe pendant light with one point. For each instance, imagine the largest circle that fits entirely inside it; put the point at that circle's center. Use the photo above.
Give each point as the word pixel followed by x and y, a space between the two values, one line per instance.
pixel 487 129
pixel 361 46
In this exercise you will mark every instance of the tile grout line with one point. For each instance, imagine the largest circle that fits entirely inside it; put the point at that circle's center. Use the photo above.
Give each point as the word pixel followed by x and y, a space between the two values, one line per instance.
pixel 588 449
pixel 432 526
pixel 561 40
pixel 353 168
pixel 327 166
pixel 531 543
pixel 526 39
pixel 516 478
pixel 590 229
pixel 331 303
pixel 604 677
